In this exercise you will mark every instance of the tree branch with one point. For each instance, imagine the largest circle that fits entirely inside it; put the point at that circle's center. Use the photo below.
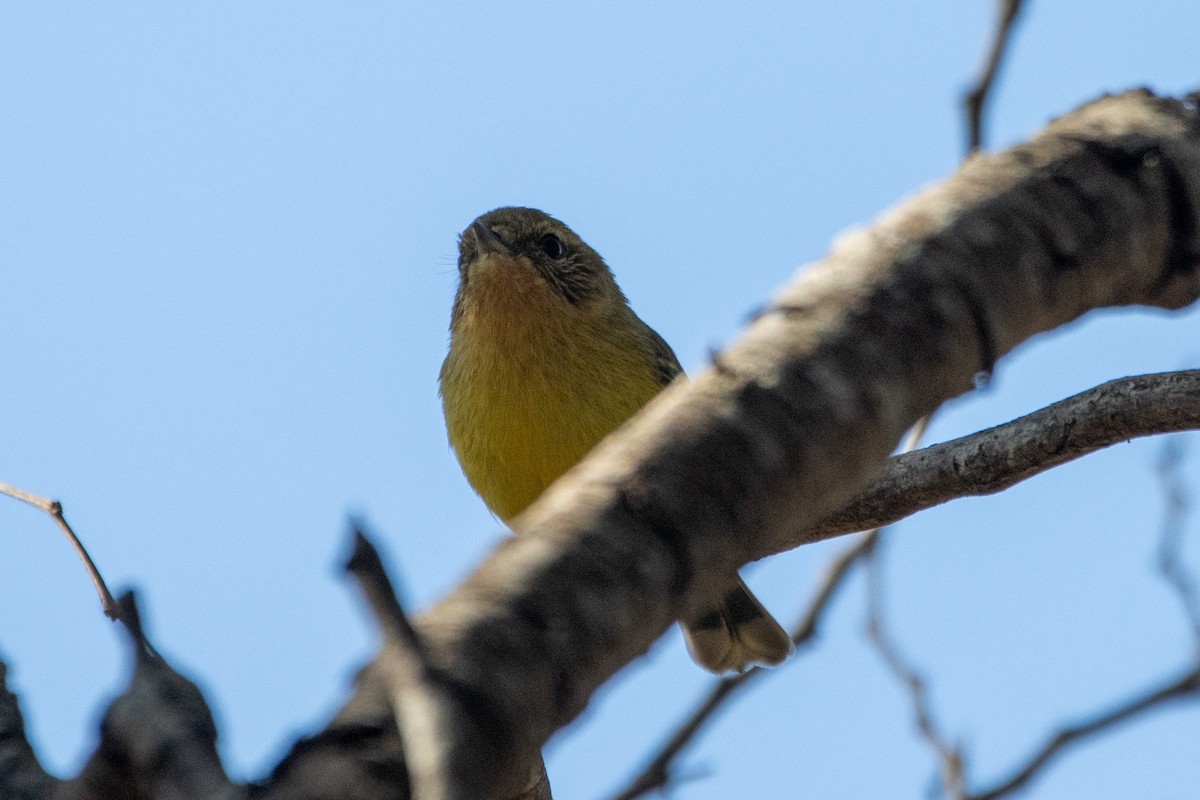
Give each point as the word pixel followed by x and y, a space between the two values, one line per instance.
pixel 1100 209
pixel 975 101
pixel 997 458
pixel 429 707
pixel 1183 686
pixel 950 758
pixel 54 509
pixel 1170 557
pixel 659 770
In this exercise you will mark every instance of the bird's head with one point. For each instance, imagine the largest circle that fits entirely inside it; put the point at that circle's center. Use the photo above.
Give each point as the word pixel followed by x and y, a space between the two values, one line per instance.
pixel 522 259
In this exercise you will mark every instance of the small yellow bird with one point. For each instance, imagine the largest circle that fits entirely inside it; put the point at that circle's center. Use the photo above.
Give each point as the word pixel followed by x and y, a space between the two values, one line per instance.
pixel 546 358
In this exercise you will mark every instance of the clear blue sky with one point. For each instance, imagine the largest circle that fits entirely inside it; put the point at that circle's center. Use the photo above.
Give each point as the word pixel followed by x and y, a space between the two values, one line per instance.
pixel 227 244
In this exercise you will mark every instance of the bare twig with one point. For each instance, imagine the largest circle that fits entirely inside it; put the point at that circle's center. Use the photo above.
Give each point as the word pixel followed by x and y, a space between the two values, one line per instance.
pixel 1186 685
pixel 975 101
pixel 367 568
pixel 54 508
pixel 1170 561
pixel 1178 687
pixel 131 618
pixel 949 756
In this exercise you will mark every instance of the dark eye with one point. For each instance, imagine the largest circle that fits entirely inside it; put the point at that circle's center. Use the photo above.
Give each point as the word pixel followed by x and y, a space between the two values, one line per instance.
pixel 552 246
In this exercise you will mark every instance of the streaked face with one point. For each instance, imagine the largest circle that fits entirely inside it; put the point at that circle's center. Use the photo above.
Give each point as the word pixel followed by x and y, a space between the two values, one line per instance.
pixel 523 245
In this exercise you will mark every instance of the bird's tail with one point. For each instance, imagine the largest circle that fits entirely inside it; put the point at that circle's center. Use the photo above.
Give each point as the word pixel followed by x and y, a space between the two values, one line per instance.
pixel 736 634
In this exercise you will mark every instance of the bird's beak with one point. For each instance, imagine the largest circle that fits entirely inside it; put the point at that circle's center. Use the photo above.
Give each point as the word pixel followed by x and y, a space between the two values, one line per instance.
pixel 488 242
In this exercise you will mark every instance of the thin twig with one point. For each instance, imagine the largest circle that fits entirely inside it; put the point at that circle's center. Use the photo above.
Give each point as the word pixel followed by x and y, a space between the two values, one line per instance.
pixel 1179 687
pixel 975 101
pixel 1170 557
pixel 367 569
pixel 1187 685
pixel 131 618
pixel 658 772
pixel 949 756
pixel 112 609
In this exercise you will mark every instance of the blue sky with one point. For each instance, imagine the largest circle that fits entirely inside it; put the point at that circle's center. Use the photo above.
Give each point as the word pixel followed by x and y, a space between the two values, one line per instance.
pixel 227 238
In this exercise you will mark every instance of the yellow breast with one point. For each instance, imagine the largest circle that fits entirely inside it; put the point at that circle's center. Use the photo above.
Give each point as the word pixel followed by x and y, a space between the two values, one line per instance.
pixel 528 391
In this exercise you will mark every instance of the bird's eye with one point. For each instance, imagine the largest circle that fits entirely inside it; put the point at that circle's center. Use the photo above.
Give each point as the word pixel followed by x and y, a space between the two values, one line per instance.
pixel 552 246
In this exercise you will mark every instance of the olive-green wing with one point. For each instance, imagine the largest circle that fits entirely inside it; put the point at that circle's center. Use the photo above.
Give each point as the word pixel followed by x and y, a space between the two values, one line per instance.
pixel 666 365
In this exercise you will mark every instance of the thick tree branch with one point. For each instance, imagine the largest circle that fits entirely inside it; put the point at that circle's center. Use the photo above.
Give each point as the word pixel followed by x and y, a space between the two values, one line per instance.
pixel 1100 209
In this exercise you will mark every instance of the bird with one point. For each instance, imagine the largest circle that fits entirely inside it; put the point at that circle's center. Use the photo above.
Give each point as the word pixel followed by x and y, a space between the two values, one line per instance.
pixel 546 358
